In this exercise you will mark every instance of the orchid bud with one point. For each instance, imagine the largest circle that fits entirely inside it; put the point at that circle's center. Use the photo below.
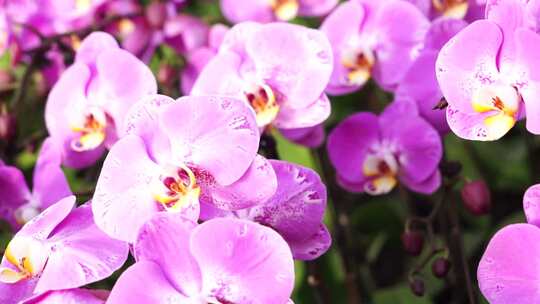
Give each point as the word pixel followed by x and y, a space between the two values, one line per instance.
pixel 156 14
pixel 476 197
pixel 413 242
pixel 417 287
pixel 8 125
pixel 440 267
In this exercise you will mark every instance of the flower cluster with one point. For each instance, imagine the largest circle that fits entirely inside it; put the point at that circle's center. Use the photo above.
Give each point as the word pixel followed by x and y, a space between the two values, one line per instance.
pixel 177 185
pixel 188 198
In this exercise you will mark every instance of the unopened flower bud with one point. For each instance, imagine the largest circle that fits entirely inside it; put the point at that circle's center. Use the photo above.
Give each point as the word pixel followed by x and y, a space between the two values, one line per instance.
pixel 417 287
pixel 440 267
pixel 166 74
pixel 476 197
pixel 413 242
pixel 156 14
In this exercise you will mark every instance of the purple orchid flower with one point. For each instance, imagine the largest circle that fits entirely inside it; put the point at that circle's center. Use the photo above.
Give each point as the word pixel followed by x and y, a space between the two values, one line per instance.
pixel 420 82
pixel 49 17
pixel 59 249
pixel 280 69
pixel 265 11
pixel 186 33
pixel 372 153
pixel 488 73
pixel 91 98
pixel 70 296
pixel 295 211
pixel 177 153
pixel 160 23
pixel 469 10
pixel 508 271
pixel 199 57
pixel 133 31
pixel 18 204
pixel 378 39
pixel 219 261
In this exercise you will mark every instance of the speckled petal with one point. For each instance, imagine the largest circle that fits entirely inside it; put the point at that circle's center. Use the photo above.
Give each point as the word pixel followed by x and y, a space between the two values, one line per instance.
pixel 297 208
pixel 526 71
pixel 80 253
pixel 244 254
pixel 164 240
pixel 294 60
pixel 531 204
pixel 467 62
pixel 123 199
pixel 312 115
pixel 144 283
pixel 312 247
pixel 224 146
pixel 69 296
pixel 239 195
pixel 509 269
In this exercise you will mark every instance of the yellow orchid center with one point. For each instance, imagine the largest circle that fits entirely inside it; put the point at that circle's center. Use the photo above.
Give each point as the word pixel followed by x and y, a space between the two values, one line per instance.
pixel 285 10
pixel 502 101
pixel 27 256
pixel 263 100
pixel 125 26
pixel 359 64
pixel 83 5
pixel 75 42
pixel 451 8
pixel 92 130
pixel 382 171
pixel 177 189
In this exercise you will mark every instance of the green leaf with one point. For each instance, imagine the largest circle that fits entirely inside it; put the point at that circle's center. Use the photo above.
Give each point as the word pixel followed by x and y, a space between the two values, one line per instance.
pixel 26 160
pixel 5 61
pixel 292 152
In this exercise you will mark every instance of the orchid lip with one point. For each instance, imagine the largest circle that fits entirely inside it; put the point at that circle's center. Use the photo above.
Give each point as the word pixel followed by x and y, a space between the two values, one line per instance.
pixel 359 63
pixel 501 103
pixel 83 5
pixel 263 101
pixel 91 130
pixel 28 256
pixel 125 26
pixel 451 8
pixel 381 169
pixel 285 10
pixel 177 189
